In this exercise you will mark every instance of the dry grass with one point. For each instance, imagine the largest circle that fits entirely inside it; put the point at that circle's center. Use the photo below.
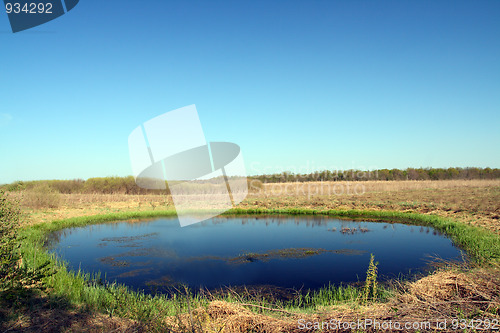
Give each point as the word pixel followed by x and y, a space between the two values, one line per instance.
pixel 377 185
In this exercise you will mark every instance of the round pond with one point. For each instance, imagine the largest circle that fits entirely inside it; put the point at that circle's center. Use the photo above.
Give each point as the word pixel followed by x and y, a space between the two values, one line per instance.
pixel 300 252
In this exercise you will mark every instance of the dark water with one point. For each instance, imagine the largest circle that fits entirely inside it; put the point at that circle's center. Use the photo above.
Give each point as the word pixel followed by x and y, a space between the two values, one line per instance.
pixel 288 252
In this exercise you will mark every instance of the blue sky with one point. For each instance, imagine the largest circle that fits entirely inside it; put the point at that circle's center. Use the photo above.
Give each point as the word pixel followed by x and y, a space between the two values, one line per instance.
pixel 298 85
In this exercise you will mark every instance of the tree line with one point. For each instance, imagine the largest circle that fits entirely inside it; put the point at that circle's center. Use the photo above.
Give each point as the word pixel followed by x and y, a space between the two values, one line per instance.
pixel 384 174
pixel 127 185
pixel 99 185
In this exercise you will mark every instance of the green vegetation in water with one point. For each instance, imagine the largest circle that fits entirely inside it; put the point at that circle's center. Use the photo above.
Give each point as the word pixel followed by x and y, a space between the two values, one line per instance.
pixel 291 253
pixel 113 262
pixel 140 252
pixel 125 239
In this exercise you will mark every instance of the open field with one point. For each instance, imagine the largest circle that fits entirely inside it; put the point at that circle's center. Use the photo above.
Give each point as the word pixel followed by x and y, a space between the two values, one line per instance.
pixel 475 202
pixel 463 291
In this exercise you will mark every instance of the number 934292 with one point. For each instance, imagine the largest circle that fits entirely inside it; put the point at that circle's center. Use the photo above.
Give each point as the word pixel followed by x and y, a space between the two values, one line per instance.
pixel 28 8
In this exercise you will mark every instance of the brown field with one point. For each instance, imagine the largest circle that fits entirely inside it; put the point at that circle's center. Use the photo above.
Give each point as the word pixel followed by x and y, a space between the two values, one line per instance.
pixel 471 201
pixel 453 291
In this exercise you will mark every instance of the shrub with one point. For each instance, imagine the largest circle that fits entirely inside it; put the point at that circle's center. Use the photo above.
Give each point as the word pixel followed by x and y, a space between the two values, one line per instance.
pixel 254 185
pixel 14 276
pixel 67 186
pixel 41 196
pixel 9 254
pixel 15 186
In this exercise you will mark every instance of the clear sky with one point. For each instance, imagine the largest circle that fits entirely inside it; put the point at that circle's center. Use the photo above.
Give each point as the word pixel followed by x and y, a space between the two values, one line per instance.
pixel 301 85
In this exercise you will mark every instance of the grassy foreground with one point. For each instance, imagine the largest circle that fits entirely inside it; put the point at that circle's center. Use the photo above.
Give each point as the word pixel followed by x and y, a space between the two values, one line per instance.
pixel 74 301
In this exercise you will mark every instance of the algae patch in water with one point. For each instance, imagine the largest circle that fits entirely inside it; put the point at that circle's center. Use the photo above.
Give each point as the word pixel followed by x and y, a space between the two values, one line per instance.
pixel 290 253
pixel 113 262
pixel 125 239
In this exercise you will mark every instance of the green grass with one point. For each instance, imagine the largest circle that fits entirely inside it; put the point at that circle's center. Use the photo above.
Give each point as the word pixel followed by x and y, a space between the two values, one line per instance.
pixel 89 291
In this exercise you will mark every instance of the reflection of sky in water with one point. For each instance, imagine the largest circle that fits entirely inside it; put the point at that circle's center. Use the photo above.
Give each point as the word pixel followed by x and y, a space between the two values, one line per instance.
pixel 159 251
